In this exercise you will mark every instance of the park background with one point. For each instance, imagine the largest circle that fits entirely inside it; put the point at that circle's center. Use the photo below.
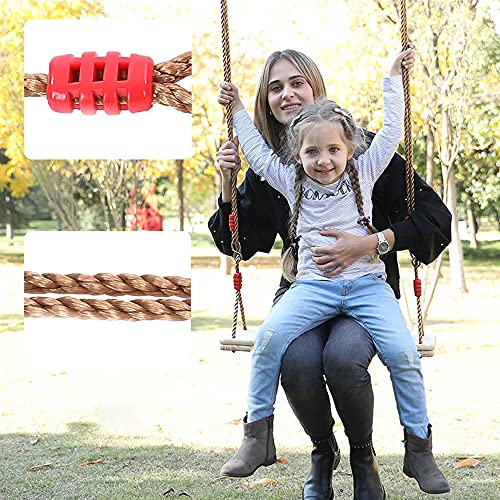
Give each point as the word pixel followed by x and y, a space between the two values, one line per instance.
pixel 455 100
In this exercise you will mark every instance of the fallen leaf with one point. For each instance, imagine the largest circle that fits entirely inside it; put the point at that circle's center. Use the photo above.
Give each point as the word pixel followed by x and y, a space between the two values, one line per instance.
pixel 93 462
pixel 221 478
pixel 42 466
pixel 236 421
pixel 34 439
pixel 464 458
pixel 468 462
pixel 283 460
pixel 167 492
pixel 264 481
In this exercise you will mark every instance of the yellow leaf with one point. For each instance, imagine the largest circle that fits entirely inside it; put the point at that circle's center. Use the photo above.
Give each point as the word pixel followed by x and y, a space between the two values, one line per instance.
pixel 221 478
pixel 236 421
pixel 264 481
pixel 468 462
pixel 42 466
pixel 93 462
pixel 283 460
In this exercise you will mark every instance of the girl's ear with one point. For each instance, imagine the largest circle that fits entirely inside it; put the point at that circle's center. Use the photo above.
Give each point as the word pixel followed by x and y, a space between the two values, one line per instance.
pixel 297 159
pixel 351 152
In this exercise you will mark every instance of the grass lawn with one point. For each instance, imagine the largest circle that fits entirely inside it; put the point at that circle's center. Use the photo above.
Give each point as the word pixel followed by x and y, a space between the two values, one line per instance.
pixel 163 426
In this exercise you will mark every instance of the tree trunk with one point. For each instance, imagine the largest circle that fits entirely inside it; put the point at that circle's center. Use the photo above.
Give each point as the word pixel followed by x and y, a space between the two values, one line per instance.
pixel 471 221
pixel 9 233
pixel 180 193
pixel 429 157
pixel 226 264
pixel 431 288
pixel 455 248
pixel 450 198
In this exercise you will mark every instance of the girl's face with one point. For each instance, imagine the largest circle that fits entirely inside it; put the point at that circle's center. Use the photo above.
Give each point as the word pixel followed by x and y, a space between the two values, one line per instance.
pixel 287 91
pixel 324 152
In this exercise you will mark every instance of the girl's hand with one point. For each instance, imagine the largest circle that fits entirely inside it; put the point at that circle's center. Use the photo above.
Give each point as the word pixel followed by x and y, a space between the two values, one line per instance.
pixel 404 59
pixel 228 92
pixel 228 160
pixel 348 248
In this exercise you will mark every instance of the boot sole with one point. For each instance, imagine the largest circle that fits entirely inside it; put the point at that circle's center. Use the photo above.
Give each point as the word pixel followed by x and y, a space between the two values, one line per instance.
pixel 265 464
pixel 429 492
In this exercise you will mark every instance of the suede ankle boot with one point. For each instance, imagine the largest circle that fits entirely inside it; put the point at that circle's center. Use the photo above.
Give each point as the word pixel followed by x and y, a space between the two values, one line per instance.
pixel 325 458
pixel 419 463
pixel 365 474
pixel 257 448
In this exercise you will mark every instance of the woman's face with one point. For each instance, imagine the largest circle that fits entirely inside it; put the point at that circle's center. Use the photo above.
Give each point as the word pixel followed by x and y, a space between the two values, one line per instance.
pixel 287 91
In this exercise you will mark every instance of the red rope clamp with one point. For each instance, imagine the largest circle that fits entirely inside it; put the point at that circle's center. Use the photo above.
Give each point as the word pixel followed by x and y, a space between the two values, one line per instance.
pixel 417 287
pixel 232 224
pixel 89 83
pixel 237 281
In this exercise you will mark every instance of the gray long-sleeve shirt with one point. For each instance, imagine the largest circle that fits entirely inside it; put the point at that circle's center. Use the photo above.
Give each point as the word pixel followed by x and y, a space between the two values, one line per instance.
pixel 330 206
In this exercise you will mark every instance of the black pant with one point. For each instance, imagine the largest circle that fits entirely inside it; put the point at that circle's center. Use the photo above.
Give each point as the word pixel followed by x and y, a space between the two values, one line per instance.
pixel 339 351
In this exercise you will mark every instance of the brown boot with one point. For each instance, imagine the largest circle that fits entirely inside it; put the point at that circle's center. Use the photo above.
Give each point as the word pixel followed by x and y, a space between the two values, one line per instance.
pixel 365 474
pixel 325 458
pixel 257 448
pixel 419 463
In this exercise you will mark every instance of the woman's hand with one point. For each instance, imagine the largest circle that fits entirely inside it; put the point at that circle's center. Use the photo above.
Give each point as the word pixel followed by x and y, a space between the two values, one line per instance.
pixel 227 160
pixel 404 59
pixel 348 248
pixel 228 92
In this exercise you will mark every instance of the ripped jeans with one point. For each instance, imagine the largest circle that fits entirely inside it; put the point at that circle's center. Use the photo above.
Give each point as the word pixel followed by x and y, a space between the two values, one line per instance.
pixel 371 302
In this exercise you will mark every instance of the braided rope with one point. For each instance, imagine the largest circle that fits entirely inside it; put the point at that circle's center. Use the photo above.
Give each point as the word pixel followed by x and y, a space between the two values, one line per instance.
pixel 109 309
pixel 235 241
pixel 107 284
pixel 410 184
pixel 165 89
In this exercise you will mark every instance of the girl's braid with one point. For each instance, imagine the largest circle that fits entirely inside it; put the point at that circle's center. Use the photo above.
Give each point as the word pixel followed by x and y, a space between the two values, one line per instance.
pixel 290 257
pixel 353 176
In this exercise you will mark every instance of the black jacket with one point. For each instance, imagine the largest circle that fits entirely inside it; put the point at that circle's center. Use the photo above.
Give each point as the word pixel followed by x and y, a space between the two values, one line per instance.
pixel 263 213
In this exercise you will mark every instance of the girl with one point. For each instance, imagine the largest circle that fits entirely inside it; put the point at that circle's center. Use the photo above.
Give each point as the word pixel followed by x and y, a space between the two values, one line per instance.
pixel 322 141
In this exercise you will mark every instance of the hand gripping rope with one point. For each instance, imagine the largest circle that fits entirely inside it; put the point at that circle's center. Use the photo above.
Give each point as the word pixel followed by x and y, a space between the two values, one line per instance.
pixel 171 309
pixel 233 344
pixel 111 83
pixel 426 343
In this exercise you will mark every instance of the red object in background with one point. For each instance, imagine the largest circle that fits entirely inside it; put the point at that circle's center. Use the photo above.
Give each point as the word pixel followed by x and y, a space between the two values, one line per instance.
pixel 145 217
pixel 76 82
pixel 148 219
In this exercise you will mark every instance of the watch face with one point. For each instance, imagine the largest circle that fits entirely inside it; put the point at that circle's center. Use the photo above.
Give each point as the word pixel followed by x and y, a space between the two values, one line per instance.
pixel 383 247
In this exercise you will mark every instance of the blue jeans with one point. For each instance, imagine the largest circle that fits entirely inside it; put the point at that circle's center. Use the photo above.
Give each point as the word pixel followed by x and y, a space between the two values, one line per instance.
pixel 371 302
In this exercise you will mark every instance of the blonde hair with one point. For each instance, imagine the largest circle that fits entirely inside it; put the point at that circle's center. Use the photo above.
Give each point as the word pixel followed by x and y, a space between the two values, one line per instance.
pixel 321 111
pixel 271 129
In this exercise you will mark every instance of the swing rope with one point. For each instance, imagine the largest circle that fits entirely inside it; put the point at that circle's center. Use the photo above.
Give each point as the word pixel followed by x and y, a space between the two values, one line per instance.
pixel 175 304
pixel 107 284
pixel 410 184
pixel 233 218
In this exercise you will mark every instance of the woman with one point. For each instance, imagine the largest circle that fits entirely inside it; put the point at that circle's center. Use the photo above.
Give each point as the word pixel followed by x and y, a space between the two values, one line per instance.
pixel 341 350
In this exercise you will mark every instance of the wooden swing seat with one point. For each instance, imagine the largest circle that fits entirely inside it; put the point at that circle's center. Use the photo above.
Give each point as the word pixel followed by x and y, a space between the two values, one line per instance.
pixel 244 342
pixel 426 348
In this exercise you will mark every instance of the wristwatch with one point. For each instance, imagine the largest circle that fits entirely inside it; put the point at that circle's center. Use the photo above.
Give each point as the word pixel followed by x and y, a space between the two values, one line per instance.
pixel 383 245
